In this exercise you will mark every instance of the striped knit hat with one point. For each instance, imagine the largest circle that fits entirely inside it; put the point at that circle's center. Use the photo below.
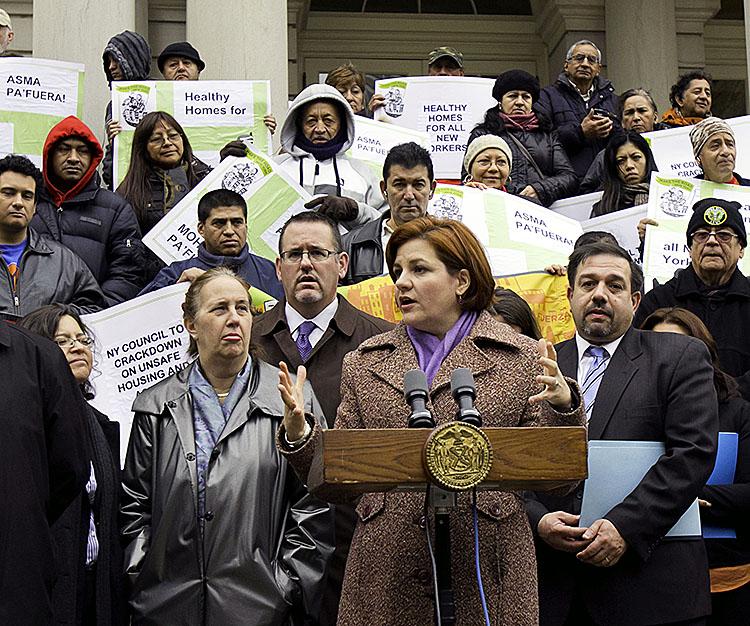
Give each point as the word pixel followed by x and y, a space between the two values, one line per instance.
pixel 704 130
pixel 132 53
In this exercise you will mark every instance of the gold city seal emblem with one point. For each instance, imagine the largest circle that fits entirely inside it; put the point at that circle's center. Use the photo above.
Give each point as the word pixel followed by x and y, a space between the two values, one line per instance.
pixel 457 456
pixel 715 215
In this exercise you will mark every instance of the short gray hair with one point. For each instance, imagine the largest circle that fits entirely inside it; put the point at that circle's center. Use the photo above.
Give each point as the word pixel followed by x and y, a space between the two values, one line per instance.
pixel 584 42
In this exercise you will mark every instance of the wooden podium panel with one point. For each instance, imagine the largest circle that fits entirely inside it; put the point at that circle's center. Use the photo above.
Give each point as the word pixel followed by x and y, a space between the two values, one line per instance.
pixel 362 461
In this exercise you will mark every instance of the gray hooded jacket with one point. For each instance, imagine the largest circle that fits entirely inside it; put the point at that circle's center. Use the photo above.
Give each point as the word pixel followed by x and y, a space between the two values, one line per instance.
pixel 356 179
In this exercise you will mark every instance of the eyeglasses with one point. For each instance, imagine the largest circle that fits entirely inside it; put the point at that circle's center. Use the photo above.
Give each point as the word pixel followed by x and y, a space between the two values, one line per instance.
pixel 66 343
pixel 316 255
pixel 722 236
pixel 160 140
pixel 580 58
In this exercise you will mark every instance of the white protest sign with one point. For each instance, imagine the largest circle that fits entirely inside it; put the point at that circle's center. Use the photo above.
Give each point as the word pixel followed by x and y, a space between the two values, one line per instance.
pixel 518 235
pixel 445 107
pixel 577 207
pixel 35 95
pixel 622 224
pixel 673 151
pixel 142 341
pixel 211 112
pixel 670 203
pixel 373 141
pixel 270 195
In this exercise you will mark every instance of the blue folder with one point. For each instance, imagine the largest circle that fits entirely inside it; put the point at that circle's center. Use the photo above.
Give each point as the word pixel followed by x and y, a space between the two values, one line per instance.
pixel 615 470
pixel 723 474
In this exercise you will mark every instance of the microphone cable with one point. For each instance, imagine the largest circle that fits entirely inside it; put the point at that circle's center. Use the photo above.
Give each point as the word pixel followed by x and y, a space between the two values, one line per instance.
pixel 476 556
pixel 436 591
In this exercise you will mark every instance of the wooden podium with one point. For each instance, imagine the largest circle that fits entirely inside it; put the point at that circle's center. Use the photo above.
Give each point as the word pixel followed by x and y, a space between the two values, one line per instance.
pixel 372 460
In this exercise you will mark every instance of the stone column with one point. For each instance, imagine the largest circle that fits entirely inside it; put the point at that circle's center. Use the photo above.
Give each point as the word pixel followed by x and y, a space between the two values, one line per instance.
pixel 244 39
pixel 642 46
pixel 77 31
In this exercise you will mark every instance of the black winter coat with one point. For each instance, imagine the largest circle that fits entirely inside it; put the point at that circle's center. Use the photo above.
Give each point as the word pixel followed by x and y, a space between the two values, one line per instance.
pixel 101 228
pixel 561 103
pixel 70 533
pixel 559 179
pixel 725 313
pixel 364 246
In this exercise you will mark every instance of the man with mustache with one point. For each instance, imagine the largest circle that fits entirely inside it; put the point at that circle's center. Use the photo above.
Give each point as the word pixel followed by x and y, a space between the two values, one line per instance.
pixel 99 225
pixel 712 286
pixel 222 222
pixel 315 327
pixel 637 386
pixel 407 185
pixel 582 105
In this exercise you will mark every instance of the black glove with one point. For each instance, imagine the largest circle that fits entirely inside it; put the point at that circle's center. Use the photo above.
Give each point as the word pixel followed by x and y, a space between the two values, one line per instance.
pixel 338 209
pixel 234 148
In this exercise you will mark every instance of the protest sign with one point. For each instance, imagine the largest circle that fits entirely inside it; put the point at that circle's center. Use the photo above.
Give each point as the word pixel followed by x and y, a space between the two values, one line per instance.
pixel 445 107
pixel 35 95
pixel 673 151
pixel 670 203
pixel 546 295
pixel 519 235
pixel 577 207
pixel 271 195
pixel 373 140
pixel 211 112
pixel 622 224
pixel 139 343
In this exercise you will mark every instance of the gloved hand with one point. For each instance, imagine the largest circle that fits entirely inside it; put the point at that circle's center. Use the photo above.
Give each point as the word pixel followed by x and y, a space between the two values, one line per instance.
pixel 234 148
pixel 338 209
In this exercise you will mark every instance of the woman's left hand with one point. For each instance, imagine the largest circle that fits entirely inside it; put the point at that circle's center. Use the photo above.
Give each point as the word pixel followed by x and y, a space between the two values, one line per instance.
pixel 293 397
pixel 556 390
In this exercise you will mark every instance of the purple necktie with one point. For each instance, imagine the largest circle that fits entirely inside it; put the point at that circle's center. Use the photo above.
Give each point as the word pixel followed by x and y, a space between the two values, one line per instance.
pixel 303 339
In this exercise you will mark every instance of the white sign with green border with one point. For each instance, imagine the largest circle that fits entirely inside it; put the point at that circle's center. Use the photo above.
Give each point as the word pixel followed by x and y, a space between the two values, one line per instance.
pixel 36 94
pixel 518 235
pixel 445 107
pixel 374 140
pixel 272 197
pixel 670 203
pixel 212 113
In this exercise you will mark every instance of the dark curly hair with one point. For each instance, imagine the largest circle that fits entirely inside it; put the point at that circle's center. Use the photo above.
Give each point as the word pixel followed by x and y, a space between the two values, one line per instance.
pixel 683 82
pixel 21 165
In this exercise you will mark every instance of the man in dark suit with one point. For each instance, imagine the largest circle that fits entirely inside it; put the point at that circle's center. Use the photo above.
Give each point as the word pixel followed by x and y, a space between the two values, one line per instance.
pixel 636 386
pixel 314 327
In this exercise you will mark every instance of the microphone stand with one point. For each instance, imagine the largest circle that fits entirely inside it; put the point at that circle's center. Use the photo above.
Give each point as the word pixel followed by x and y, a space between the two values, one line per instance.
pixel 442 502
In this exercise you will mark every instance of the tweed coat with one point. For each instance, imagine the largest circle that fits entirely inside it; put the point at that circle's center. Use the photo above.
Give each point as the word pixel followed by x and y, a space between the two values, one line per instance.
pixel 388 579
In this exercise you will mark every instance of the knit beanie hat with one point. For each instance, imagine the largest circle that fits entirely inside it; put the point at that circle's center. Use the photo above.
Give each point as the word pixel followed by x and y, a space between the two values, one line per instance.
pixel 482 143
pixel 515 79
pixel 132 53
pixel 180 49
pixel 704 130
pixel 715 212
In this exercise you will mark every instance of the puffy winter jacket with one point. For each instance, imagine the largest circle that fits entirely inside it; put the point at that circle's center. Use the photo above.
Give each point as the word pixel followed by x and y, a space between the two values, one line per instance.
pixel 364 245
pixel 355 179
pixel 48 272
pixel 561 103
pixel 98 225
pixel 559 180
pixel 257 271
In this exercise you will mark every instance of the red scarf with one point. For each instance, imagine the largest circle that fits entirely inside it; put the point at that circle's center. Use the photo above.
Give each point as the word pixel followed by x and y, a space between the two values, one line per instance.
pixel 522 121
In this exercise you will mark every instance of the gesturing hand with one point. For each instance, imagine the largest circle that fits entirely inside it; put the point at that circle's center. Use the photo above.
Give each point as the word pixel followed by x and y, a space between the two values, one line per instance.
pixel 294 401
pixel 556 390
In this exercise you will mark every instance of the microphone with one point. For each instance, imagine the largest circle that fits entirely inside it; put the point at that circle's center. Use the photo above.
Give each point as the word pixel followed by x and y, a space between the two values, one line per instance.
pixel 415 392
pixel 464 392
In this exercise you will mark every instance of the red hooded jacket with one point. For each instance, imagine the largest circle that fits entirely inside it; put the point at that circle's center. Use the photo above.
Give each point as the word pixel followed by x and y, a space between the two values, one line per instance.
pixel 71 126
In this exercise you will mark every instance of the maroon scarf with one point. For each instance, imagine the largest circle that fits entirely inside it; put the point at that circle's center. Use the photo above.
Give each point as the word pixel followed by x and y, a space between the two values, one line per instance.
pixel 521 121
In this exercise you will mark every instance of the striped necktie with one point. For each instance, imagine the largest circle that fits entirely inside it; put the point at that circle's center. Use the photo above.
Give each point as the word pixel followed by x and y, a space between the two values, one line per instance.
pixel 593 378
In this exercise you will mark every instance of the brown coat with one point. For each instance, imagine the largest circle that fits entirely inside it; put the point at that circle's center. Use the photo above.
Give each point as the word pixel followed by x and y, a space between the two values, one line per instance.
pixel 348 329
pixel 388 578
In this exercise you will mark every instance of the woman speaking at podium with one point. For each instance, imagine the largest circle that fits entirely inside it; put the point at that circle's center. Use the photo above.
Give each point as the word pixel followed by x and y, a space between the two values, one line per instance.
pixel 444 286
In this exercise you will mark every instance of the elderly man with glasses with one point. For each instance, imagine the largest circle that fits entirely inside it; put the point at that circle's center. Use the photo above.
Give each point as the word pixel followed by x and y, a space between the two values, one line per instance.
pixel 582 105
pixel 712 286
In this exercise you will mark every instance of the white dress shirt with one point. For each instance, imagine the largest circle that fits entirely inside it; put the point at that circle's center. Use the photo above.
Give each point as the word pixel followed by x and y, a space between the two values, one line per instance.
pixel 584 360
pixel 294 319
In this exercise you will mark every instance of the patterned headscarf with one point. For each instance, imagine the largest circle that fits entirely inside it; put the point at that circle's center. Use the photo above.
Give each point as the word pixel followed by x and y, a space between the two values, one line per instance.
pixel 703 131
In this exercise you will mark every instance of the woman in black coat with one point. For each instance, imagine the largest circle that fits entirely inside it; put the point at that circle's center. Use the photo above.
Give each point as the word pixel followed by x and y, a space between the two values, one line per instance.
pixel 541 170
pixel 724 506
pixel 88 588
